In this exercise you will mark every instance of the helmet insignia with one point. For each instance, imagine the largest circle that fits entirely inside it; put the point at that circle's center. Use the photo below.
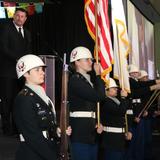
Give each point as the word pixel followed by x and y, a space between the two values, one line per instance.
pixel 21 66
pixel 74 54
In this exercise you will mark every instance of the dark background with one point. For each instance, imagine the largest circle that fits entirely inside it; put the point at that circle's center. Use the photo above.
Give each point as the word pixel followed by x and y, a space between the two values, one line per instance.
pixel 61 27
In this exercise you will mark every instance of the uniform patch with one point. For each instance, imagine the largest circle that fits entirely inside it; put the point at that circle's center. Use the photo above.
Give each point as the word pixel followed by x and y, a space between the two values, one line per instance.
pixel 31 94
pixel 21 66
pixel 74 54
pixel 37 105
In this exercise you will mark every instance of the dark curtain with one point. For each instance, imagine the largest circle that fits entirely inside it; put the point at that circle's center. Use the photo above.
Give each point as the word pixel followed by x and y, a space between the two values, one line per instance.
pixel 61 27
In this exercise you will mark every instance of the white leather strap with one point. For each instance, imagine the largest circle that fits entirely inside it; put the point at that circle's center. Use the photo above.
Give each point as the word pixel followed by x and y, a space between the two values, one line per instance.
pixel 83 114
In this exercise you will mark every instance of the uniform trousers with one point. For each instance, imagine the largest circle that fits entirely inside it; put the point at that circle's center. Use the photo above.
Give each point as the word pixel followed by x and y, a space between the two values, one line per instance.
pixel 136 146
pixel 81 151
pixel 114 155
pixel 147 138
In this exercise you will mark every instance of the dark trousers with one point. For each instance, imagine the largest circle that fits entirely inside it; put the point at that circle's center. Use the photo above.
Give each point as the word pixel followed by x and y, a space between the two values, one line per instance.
pixel 136 146
pixel 9 87
pixel 114 155
pixel 147 138
pixel 81 151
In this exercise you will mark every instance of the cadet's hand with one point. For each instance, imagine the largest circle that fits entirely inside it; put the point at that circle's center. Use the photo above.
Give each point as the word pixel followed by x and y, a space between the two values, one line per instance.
pixel 155 87
pixel 137 120
pixel 128 136
pixel 97 68
pixel 156 113
pixel 157 81
pixel 124 93
pixel 69 130
pixel 99 129
pixel 145 114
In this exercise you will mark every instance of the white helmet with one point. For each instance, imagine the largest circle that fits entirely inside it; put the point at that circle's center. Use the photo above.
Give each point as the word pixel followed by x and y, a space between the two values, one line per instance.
pixel 132 68
pixel 27 63
pixel 79 53
pixel 143 73
pixel 112 83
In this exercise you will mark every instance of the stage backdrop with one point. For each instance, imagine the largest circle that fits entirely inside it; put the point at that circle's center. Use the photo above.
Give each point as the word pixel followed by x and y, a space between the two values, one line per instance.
pixel 141 34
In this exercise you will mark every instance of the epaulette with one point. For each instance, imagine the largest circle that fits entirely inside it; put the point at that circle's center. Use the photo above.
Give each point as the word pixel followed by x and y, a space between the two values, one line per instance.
pixel 26 92
pixel 77 75
pixel 23 92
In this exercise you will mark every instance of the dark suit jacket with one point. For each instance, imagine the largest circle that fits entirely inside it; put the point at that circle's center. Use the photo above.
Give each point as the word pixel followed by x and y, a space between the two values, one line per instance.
pixel 12 47
pixel 32 116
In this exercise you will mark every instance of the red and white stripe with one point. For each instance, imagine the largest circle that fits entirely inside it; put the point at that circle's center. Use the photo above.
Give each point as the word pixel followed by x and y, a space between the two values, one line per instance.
pixel 105 52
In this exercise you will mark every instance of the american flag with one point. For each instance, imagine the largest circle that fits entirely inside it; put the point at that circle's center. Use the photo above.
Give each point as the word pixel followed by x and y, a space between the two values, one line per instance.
pixel 105 52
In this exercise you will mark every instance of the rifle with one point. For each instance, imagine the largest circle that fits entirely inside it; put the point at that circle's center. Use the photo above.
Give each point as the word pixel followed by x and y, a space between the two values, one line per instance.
pixel 64 112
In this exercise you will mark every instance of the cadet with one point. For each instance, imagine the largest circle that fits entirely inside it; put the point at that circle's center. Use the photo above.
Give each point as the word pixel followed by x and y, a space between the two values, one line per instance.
pixel 83 96
pixel 147 118
pixel 34 113
pixel 113 120
pixel 138 91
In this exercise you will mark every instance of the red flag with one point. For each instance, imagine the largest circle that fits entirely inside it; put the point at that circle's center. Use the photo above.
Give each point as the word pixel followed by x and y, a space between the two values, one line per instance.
pixel 31 9
pixel 9 4
pixel 105 51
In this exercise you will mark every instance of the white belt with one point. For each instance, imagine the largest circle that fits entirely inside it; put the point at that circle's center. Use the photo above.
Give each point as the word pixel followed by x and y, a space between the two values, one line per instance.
pixel 114 129
pixel 21 138
pixel 83 114
pixel 136 100
pixel 45 134
pixel 129 112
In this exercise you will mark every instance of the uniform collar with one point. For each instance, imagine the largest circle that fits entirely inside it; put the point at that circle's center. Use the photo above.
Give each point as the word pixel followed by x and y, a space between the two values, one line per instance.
pixel 39 91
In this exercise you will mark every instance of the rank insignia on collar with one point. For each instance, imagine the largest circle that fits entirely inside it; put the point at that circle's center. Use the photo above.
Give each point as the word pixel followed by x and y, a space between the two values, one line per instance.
pixel 23 92
pixel 38 105
pixel 31 94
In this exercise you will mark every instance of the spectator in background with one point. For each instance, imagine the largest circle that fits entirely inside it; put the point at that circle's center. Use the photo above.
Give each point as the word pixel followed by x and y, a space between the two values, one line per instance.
pixel 15 41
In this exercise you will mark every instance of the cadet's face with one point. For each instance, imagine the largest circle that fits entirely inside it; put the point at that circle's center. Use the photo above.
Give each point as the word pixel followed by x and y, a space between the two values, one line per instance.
pixel 135 74
pixel 112 92
pixel 35 76
pixel 84 64
pixel 19 18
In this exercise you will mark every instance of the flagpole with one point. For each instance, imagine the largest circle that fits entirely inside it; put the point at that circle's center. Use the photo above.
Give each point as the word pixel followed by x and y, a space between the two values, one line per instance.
pixel 96 54
pixel 96 32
